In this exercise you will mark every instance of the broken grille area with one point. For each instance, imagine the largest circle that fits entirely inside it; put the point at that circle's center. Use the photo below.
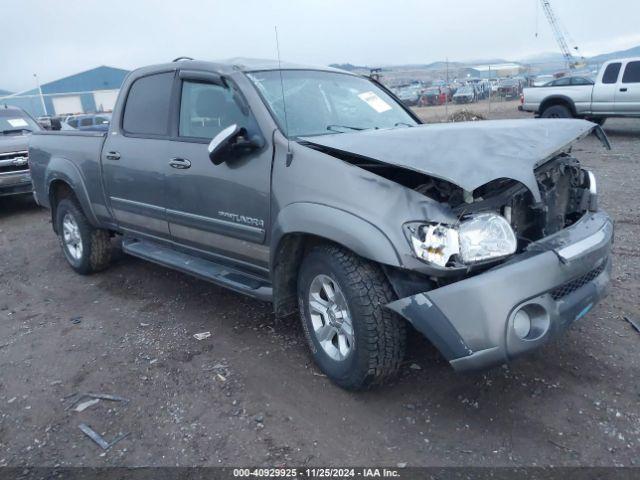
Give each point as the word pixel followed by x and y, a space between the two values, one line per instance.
pixel 577 283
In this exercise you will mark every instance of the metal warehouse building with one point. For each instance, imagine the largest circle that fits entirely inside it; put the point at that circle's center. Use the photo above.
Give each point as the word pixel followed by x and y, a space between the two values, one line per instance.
pixel 92 91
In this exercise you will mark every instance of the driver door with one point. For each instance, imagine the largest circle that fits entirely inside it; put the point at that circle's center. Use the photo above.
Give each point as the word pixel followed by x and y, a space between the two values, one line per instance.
pixel 219 211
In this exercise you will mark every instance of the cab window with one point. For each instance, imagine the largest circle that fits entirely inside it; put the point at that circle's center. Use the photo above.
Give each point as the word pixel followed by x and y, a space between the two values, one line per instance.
pixel 206 109
pixel 148 104
pixel 611 73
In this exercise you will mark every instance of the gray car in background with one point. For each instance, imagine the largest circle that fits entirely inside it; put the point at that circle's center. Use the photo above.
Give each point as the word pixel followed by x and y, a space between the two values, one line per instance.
pixel 317 190
pixel 16 127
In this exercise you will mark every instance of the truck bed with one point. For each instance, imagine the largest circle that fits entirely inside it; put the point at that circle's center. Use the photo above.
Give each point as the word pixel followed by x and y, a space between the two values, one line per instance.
pixel 70 156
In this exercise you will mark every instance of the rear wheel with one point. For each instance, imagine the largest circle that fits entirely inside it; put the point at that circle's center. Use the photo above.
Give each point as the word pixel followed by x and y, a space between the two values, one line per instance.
pixel 557 111
pixel 87 249
pixel 354 340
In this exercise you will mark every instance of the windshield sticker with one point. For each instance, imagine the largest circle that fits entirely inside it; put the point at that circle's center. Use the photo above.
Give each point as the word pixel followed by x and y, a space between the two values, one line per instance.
pixel 375 102
pixel 17 122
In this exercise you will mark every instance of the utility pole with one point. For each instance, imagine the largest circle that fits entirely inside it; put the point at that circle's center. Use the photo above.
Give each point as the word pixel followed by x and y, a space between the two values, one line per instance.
pixel 446 98
pixel 44 105
pixel 490 88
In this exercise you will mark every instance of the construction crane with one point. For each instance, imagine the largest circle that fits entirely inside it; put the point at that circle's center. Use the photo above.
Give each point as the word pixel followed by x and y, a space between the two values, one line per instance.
pixel 560 37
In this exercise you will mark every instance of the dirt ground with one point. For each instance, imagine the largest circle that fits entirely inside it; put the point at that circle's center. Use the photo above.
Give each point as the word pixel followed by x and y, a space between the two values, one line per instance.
pixel 249 394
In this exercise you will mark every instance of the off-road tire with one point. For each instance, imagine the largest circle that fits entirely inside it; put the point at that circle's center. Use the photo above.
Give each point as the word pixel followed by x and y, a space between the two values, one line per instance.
pixel 557 111
pixel 96 242
pixel 380 335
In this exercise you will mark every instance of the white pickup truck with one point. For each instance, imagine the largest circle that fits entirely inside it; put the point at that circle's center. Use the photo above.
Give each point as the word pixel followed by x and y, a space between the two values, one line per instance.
pixel 615 93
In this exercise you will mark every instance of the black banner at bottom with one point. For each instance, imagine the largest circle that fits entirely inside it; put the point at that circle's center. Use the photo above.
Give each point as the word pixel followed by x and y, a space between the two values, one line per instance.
pixel 258 473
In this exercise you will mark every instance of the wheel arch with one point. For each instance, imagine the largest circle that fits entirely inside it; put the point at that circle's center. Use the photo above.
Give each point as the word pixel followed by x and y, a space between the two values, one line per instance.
pixel 302 225
pixel 63 179
pixel 558 100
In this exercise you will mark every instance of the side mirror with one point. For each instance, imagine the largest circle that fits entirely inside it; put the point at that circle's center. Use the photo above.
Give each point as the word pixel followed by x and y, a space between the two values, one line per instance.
pixel 220 142
pixel 56 124
pixel 233 138
pixel 45 123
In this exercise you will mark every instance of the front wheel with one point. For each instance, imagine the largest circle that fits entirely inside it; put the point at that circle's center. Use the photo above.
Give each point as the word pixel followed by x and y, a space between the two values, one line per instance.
pixel 354 340
pixel 87 249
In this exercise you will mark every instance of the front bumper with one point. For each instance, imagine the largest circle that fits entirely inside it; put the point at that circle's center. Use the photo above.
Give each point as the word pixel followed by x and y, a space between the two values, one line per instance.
pixel 14 183
pixel 557 281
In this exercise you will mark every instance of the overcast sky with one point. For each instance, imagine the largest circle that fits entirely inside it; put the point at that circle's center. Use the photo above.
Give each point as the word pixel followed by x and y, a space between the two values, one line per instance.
pixel 55 38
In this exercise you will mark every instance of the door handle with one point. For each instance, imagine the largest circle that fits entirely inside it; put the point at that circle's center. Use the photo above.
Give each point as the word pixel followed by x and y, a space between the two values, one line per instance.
pixel 623 89
pixel 180 163
pixel 113 156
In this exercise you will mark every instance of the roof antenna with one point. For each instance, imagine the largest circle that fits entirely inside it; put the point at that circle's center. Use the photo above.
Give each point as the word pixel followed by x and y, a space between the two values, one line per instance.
pixel 284 105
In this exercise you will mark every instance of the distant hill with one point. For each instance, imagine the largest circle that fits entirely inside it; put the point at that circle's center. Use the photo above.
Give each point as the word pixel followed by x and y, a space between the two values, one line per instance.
pixel 631 52
pixel 547 61
pixel 4 93
pixel 348 67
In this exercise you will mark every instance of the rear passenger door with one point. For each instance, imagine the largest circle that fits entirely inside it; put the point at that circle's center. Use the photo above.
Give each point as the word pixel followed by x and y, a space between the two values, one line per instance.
pixel 628 91
pixel 218 211
pixel 135 157
pixel 604 91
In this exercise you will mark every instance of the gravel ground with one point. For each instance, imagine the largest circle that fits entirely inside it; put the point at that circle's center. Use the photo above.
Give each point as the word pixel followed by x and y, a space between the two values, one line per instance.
pixel 249 393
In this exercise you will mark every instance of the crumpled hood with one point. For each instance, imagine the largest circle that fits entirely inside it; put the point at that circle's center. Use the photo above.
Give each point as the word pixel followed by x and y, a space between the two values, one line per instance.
pixel 467 154
pixel 13 143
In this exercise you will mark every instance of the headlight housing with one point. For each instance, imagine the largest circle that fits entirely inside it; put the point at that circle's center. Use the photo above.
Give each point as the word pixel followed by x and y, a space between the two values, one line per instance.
pixel 479 238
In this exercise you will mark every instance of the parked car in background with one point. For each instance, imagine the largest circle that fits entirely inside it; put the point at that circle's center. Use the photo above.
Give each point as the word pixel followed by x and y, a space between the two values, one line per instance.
pixel 566 81
pixel 98 122
pixel 16 127
pixel 541 80
pixel 509 88
pixel 615 93
pixel 55 122
pixel 409 95
pixel 484 236
pixel 466 94
pixel 434 96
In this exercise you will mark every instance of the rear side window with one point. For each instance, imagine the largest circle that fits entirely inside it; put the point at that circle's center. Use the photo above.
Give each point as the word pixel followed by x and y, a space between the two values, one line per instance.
pixel 147 109
pixel 631 73
pixel 611 73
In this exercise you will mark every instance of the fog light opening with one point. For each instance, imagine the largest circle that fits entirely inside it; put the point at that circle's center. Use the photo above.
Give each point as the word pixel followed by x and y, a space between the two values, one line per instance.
pixel 530 322
pixel 522 324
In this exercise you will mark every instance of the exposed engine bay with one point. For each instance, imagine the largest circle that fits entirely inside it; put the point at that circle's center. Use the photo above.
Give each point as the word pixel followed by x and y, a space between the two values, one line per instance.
pixel 563 184
pixel 564 189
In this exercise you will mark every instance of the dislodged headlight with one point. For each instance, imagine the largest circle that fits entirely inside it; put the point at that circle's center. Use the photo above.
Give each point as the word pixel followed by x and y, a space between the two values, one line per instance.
pixel 481 237
pixel 435 243
pixel 486 236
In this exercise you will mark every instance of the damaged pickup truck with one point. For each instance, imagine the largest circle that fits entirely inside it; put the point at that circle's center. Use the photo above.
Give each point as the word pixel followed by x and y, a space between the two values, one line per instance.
pixel 317 190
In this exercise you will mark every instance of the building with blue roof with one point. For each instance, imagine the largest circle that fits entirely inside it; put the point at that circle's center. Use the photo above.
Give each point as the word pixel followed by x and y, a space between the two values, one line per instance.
pixel 91 91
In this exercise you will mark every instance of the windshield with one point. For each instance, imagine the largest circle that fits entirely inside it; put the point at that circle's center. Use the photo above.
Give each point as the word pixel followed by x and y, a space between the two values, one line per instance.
pixel 320 103
pixel 14 122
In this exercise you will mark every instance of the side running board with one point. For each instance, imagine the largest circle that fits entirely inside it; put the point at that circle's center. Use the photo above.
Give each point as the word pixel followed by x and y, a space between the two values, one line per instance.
pixel 199 267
